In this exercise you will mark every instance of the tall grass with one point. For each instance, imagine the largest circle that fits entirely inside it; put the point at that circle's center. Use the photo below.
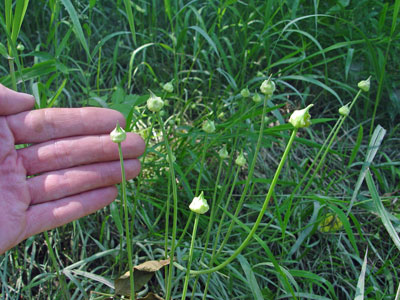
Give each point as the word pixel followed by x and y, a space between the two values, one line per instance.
pixel 110 54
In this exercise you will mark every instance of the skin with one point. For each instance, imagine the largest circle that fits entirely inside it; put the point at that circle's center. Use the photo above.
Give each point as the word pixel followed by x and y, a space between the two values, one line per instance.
pixel 74 163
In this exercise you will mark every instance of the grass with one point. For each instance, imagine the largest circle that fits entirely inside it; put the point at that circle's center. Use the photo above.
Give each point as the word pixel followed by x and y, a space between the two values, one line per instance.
pixel 110 54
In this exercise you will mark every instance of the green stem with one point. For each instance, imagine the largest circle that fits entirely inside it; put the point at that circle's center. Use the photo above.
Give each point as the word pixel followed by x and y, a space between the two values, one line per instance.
pixel 12 73
pixel 260 215
pixel 185 286
pixel 175 215
pixel 127 233
pixel 249 177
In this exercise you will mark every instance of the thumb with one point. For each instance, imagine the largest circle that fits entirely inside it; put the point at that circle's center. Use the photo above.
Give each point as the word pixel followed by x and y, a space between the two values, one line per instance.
pixel 12 102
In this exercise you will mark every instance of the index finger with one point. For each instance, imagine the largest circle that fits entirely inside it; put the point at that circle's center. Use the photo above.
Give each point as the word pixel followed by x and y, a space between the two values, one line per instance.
pixel 52 123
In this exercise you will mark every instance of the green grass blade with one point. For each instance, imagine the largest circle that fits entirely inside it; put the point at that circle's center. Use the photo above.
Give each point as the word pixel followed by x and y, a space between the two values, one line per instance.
pixel 19 14
pixel 374 144
pixel 381 210
pixel 57 94
pixel 207 37
pixel 77 25
pixel 361 280
pixel 131 21
pixel 356 146
pixel 251 278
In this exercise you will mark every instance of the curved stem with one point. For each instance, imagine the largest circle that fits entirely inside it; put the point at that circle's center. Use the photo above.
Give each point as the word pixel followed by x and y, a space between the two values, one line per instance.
pixel 260 215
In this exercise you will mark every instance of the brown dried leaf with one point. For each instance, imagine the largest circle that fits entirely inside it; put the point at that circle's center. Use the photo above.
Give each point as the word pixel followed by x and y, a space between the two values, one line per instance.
pixel 141 274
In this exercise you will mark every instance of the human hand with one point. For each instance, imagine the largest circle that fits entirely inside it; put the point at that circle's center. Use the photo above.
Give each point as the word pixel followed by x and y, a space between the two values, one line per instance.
pixel 76 166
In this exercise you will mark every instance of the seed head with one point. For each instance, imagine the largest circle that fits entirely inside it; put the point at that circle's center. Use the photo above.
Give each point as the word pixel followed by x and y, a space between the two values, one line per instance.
pixel 301 118
pixel 118 135
pixel 199 204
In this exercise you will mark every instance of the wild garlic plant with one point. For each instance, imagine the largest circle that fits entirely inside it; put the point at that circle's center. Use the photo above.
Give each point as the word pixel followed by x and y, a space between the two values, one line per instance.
pixel 299 119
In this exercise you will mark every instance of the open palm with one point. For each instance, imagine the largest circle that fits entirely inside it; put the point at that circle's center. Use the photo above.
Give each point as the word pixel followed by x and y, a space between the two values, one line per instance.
pixel 69 170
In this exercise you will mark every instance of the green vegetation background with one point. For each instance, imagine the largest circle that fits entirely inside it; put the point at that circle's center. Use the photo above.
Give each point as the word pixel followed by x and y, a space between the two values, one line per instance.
pixel 102 53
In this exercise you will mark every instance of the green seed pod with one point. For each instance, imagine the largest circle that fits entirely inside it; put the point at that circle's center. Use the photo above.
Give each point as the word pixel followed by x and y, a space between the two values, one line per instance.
pixel 301 118
pixel 257 98
pixel 268 87
pixel 199 204
pixel 154 103
pixel 223 153
pixel 208 126
pixel 118 135
pixel 240 160
pixel 245 93
pixel 344 110
pixel 364 85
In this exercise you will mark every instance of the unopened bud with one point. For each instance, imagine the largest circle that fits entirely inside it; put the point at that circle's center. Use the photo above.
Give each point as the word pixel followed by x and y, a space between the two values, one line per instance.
pixel 344 110
pixel 208 126
pixel 240 160
pixel 268 87
pixel 199 204
pixel 154 103
pixel 245 93
pixel 168 87
pixel 257 98
pixel 364 85
pixel 223 153
pixel 301 118
pixel 118 135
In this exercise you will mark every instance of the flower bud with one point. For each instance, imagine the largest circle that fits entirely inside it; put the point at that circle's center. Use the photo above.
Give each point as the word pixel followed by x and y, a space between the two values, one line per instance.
pixel 257 98
pixel 154 103
pixel 208 126
pixel 118 135
pixel 245 93
pixel 240 160
pixel 20 47
pixel 221 115
pixel 364 84
pixel 199 205
pixel 344 110
pixel 168 87
pixel 223 153
pixel 268 87
pixel 301 118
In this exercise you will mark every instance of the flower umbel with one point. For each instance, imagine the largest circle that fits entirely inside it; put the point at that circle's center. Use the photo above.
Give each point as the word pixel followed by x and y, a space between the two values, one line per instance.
pixel 365 84
pixel 118 135
pixel 199 204
pixel 240 160
pixel 154 103
pixel 268 87
pixel 168 87
pixel 245 93
pixel 344 110
pixel 208 126
pixel 223 153
pixel 301 118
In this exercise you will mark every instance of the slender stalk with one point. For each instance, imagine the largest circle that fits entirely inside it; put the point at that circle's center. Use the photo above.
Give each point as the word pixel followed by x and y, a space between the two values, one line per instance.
pixel 12 73
pixel 175 214
pixel 260 215
pixel 185 286
pixel 249 176
pixel 127 233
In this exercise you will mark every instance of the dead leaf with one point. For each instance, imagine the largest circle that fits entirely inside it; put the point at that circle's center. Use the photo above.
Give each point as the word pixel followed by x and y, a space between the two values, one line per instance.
pixel 141 274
